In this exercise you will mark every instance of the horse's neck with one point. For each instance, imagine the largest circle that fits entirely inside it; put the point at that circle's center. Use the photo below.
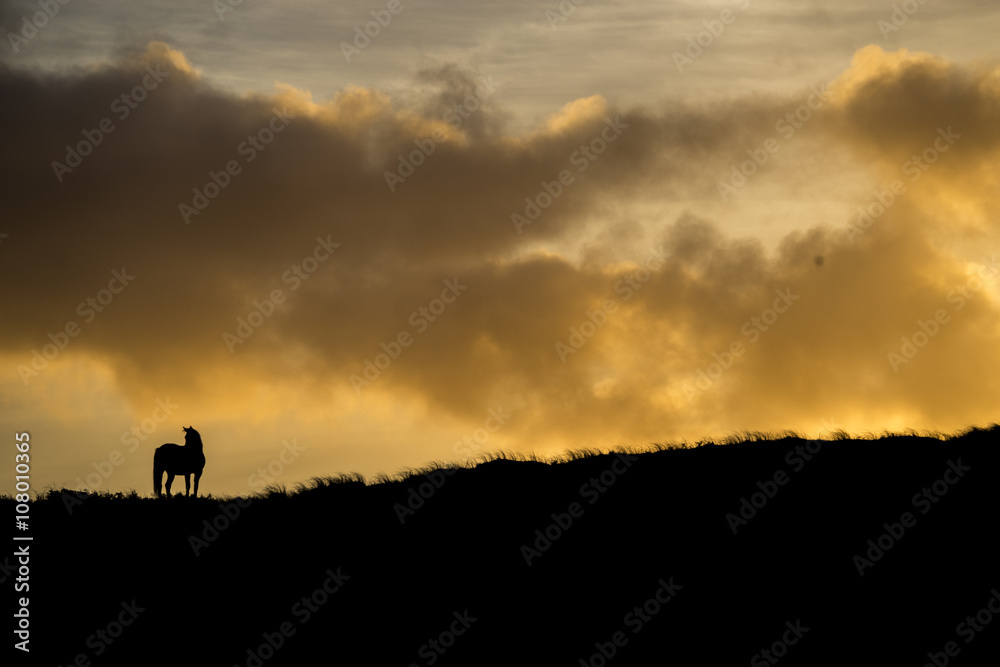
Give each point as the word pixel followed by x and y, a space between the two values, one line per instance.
pixel 196 445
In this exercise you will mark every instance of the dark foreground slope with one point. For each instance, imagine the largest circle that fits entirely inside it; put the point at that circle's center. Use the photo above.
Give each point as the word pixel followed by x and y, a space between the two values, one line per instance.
pixel 644 568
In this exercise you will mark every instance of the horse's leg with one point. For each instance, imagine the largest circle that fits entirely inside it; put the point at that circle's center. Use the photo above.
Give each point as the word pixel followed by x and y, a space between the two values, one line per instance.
pixel 197 476
pixel 170 480
pixel 187 484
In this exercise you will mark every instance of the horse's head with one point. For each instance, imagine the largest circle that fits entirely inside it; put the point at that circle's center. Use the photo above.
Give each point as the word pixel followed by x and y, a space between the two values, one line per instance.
pixel 191 436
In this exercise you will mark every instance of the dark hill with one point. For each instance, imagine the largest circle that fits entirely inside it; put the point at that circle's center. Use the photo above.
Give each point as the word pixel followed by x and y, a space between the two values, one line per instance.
pixel 434 569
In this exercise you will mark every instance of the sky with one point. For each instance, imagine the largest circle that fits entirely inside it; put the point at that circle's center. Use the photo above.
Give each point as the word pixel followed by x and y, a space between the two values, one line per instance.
pixel 365 237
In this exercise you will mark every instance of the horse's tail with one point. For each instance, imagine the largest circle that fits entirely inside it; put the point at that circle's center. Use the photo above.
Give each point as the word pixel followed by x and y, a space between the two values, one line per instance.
pixel 157 472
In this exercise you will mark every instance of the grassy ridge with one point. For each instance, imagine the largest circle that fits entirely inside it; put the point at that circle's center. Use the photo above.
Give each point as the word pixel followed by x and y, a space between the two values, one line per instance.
pixel 709 553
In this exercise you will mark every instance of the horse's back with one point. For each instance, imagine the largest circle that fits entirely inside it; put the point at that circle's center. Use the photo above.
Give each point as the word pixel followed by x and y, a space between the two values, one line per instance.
pixel 179 459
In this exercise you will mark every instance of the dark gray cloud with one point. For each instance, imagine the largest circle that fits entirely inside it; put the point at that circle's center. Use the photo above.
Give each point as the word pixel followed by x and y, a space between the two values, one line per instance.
pixel 321 179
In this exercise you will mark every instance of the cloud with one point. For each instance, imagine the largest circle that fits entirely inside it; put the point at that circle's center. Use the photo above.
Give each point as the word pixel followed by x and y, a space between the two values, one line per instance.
pixel 321 178
pixel 894 107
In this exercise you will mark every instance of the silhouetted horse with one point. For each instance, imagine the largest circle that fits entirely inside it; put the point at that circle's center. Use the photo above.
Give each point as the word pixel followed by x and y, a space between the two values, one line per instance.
pixel 186 460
